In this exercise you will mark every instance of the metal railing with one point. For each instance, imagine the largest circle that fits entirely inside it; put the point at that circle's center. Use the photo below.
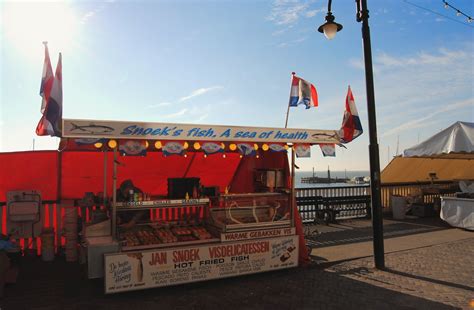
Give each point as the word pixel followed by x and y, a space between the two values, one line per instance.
pixel 309 212
pixel 428 191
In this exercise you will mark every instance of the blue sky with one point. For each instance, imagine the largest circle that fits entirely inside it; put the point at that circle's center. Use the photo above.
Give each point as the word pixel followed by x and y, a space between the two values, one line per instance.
pixel 229 62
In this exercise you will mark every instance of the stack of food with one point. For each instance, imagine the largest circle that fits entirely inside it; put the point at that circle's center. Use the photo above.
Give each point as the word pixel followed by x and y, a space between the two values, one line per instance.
pixel 147 237
pixel 201 233
pixel 183 233
pixel 157 235
pixel 131 239
pixel 165 235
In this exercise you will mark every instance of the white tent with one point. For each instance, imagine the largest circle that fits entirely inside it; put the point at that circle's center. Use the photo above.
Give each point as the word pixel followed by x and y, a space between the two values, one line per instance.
pixel 457 138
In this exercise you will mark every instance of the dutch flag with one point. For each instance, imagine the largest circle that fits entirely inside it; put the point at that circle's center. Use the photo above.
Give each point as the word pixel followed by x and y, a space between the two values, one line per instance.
pixel 51 93
pixel 351 127
pixel 302 92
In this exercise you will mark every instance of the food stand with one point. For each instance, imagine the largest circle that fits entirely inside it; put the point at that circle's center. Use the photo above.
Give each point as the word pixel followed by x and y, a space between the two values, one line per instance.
pixel 196 230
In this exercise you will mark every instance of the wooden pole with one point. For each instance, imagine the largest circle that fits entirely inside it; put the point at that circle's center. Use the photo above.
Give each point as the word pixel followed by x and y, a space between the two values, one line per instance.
pixel 105 176
pixel 292 187
pixel 288 110
pixel 114 197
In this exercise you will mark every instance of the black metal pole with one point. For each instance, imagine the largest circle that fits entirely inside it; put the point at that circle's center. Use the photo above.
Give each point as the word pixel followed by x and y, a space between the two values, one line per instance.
pixel 377 218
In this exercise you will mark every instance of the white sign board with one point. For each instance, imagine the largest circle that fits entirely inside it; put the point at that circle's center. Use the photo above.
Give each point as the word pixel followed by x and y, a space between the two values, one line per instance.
pixel 157 268
pixel 73 128
pixel 256 234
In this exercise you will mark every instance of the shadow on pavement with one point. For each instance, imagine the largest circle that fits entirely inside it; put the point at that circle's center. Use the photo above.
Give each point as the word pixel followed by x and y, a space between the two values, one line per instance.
pixel 346 233
pixel 455 285
pixel 61 285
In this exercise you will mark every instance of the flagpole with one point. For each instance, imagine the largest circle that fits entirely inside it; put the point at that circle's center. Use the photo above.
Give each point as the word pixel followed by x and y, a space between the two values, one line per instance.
pixel 288 110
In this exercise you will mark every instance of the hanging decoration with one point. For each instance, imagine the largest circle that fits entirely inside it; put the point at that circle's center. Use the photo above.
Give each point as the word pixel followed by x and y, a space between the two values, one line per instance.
pixel 212 148
pixel 173 148
pixel 132 147
pixel 303 150
pixel 275 147
pixel 246 149
pixel 89 141
pixel 328 149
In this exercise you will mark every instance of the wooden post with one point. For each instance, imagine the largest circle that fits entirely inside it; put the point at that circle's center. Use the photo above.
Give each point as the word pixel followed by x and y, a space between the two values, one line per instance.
pixel 293 202
pixel 114 197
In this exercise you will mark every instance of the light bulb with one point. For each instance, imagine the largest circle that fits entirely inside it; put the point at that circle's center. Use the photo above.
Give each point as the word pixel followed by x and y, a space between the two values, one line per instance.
pixel 112 144
pixel 330 31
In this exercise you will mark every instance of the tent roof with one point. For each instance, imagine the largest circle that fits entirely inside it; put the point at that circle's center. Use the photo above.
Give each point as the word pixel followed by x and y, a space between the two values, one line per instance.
pixel 457 138
pixel 417 169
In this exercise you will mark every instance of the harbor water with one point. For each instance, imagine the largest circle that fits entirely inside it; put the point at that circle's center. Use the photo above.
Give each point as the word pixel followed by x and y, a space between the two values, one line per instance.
pixel 323 174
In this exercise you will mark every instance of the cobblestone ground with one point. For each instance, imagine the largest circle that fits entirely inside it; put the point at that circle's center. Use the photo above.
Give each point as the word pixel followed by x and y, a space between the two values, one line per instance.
pixel 437 277
pixel 442 273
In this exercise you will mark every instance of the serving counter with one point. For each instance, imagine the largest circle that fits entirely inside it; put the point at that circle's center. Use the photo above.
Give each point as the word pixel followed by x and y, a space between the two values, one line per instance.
pixel 187 240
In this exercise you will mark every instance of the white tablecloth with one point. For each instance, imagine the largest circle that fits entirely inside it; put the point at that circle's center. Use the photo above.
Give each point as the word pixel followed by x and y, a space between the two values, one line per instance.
pixel 458 212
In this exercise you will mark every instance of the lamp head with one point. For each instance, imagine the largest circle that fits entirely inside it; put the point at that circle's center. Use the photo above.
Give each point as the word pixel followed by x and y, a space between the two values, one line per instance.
pixel 330 28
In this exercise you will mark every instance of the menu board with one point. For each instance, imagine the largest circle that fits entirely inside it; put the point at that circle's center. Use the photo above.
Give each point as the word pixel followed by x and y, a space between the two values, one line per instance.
pixel 157 268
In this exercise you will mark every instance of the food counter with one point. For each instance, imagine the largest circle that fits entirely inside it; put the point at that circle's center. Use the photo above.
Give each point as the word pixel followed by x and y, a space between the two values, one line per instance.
pixel 197 239
pixel 244 221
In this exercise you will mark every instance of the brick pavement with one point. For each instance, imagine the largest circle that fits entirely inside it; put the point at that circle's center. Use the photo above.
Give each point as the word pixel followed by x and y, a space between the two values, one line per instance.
pixel 435 277
pixel 442 273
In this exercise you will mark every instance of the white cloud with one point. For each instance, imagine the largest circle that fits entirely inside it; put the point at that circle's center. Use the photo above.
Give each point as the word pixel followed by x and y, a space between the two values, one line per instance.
pixel 285 44
pixel 199 92
pixel 179 113
pixel 421 90
pixel 287 12
pixel 439 19
pixel 95 11
pixel 201 118
pixel 313 13
pixel 279 32
pixel 444 57
pixel 424 121
pixel 357 63
pixel 159 105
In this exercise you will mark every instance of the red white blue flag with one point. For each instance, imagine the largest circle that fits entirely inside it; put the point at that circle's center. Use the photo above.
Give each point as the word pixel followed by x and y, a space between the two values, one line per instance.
pixel 302 92
pixel 328 149
pixel 351 127
pixel 50 122
pixel 303 150
pixel 46 79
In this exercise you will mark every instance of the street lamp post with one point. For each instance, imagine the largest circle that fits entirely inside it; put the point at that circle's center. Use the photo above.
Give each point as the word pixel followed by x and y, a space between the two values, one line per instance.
pixel 329 29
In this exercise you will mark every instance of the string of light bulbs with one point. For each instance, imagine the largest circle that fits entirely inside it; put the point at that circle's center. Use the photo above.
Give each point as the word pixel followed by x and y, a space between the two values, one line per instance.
pixel 458 11
pixel 468 24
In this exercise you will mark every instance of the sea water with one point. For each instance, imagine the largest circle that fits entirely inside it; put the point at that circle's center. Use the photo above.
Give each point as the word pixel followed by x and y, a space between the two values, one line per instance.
pixel 324 174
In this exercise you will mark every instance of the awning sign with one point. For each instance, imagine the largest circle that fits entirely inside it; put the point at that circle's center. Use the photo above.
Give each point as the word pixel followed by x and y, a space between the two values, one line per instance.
pixel 193 132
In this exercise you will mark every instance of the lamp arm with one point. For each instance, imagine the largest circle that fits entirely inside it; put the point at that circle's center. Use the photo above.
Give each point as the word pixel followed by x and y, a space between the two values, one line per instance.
pixel 329 6
pixel 362 12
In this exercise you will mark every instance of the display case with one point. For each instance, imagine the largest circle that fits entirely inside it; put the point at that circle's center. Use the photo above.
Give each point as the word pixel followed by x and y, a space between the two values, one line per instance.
pixel 177 222
pixel 237 212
